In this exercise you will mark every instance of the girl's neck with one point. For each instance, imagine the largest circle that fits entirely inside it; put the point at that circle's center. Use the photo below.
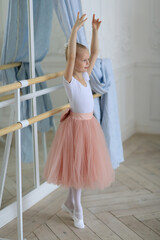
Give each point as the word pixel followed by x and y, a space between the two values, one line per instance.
pixel 77 74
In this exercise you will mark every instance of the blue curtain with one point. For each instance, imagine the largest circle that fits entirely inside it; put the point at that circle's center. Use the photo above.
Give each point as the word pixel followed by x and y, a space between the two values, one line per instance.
pixel 106 108
pixel 15 49
pixel 102 81
pixel 66 11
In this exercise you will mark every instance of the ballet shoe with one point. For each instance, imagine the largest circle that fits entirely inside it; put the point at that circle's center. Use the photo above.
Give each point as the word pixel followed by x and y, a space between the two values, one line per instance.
pixel 78 223
pixel 66 209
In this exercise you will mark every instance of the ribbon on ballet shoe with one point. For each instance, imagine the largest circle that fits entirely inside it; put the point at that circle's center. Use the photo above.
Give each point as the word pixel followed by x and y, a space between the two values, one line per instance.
pixel 65 115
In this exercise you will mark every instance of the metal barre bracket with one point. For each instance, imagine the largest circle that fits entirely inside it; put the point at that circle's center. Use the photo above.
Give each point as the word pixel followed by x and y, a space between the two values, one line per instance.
pixel 24 83
pixel 24 123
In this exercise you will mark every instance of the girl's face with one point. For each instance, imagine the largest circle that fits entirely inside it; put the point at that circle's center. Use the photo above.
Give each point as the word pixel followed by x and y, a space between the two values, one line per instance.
pixel 82 60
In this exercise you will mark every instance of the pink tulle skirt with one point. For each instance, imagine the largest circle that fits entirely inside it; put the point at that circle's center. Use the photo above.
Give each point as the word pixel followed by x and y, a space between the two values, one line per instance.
pixel 78 156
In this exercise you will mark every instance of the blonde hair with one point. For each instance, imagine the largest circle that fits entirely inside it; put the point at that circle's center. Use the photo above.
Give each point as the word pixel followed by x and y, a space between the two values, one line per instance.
pixel 78 45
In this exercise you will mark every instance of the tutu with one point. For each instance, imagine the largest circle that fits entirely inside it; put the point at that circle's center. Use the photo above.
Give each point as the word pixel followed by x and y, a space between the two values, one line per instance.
pixel 78 156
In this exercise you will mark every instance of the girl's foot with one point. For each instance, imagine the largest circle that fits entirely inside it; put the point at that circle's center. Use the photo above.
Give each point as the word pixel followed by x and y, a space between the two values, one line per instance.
pixel 78 222
pixel 66 209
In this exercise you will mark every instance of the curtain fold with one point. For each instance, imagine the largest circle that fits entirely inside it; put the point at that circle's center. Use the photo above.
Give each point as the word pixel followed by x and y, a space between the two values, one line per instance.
pixel 106 108
pixel 102 81
pixel 15 49
pixel 66 11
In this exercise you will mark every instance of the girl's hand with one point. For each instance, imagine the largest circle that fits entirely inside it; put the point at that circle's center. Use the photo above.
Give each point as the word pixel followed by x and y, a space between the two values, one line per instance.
pixel 95 23
pixel 80 21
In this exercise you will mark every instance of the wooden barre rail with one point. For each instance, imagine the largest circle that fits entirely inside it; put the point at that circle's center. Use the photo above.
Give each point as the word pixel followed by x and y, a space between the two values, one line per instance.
pixel 6 97
pixel 37 118
pixel 13 86
pixel 10 65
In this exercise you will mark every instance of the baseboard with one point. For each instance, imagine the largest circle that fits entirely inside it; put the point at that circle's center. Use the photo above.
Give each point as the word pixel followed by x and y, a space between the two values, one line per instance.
pixel 147 129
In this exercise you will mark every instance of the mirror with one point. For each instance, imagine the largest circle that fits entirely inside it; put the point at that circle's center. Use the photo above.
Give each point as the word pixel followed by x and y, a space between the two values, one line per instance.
pixel 54 61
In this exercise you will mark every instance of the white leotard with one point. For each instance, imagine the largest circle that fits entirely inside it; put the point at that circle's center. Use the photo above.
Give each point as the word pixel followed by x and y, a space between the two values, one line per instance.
pixel 80 97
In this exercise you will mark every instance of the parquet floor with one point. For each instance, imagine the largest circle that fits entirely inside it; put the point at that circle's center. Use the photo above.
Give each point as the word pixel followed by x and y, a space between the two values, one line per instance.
pixel 128 210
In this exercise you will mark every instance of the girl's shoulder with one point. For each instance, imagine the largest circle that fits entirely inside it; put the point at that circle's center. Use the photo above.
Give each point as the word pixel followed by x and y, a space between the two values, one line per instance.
pixel 68 83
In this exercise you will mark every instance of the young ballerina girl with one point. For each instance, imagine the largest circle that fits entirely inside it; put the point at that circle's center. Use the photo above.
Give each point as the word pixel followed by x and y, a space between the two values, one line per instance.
pixel 78 157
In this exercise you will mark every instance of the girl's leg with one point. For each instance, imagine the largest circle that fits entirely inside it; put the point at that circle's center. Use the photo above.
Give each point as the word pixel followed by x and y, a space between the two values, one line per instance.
pixel 70 200
pixel 77 203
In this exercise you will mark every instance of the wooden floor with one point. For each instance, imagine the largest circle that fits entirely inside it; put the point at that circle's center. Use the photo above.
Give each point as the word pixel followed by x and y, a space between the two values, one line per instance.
pixel 128 210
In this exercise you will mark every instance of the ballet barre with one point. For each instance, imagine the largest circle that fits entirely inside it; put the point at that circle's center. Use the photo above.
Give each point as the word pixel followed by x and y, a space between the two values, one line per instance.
pixel 22 124
pixel 5 100
pixel 10 65
pixel 29 82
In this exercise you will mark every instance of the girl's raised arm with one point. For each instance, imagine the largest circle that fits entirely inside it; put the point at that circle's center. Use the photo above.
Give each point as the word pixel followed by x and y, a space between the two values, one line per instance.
pixel 71 53
pixel 94 43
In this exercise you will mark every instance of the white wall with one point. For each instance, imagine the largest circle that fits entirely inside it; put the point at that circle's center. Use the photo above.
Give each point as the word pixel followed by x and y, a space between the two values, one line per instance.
pixel 147 66
pixel 116 41
pixel 130 36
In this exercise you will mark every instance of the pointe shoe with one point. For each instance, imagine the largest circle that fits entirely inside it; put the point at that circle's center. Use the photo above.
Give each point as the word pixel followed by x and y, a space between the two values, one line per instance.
pixel 66 209
pixel 78 223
